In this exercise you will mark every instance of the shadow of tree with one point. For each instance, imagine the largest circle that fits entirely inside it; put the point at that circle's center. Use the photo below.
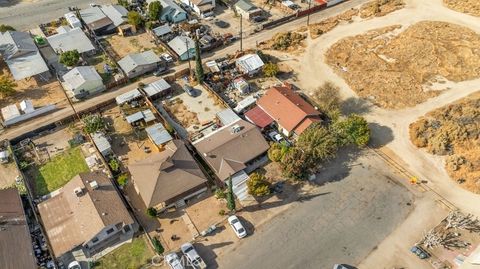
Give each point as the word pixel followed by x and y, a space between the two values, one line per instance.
pixel 339 167
pixel 356 105
pixel 381 135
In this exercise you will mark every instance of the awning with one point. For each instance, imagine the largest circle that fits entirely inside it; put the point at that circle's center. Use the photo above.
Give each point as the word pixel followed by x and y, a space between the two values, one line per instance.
pixel 258 117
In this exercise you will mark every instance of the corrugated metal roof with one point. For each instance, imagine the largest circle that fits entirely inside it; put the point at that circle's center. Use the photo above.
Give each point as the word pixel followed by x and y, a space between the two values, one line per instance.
pixel 162 30
pixel 134 117
pixel 81 74
pixel 227 116
pixel 250 62
pixel 92 14
pixel 10 112
pixel 156 87
pixel 101 141
pixel 258 117
pixel 116 13
pixel 148 115
pixel 250 100
pixel 131 61
pixel 128 96
pixel 245 5
pixel 158 134
pixel 179 44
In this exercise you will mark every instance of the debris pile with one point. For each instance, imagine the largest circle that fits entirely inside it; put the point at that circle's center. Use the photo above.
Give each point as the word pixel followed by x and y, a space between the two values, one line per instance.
pixel 454 131
pixel 471 7
pixel 379 8
pixel 396 69
pixel 287 41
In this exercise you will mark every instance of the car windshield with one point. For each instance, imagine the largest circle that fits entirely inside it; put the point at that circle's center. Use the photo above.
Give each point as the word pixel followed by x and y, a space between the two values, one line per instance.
pixel 188 249
pixel 234 221
pixel 241 230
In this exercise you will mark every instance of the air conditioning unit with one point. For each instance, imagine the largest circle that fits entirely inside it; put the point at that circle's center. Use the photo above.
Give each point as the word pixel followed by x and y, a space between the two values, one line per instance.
pixel 235 129
pixel 78 191
pixel 94 185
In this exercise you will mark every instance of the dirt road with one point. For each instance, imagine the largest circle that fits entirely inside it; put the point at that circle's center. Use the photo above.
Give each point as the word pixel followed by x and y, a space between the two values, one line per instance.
pixel 249 42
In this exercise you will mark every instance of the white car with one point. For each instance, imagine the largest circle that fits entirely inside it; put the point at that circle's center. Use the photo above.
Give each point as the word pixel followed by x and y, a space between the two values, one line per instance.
pixel 167 57
pixel 275 136
pixel 74 265
pixel 237 226
pixel 192 256
pixel 173 261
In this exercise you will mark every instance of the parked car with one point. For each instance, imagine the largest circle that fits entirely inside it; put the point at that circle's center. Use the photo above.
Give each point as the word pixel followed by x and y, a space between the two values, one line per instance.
pixel 173 261
pixel 74 265
pixel 222 24
pixel 420 252
pixel 160 71
pixel 192 256
pixel 343 266
pixel 275 136
pixel 189 90
pixel 258 19
pixel 237 226
pixel 167 57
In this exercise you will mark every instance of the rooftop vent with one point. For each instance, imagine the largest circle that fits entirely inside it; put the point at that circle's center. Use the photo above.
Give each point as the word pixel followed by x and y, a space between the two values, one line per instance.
pixel 94 185
pixel 235 129
pixel 78 191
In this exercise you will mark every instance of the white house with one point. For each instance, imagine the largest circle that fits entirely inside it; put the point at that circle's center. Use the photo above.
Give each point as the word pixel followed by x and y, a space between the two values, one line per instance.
pixel 82 81
pixel 204 8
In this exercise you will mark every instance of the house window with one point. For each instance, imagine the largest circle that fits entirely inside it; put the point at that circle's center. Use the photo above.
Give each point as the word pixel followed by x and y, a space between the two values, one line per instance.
pixel 111 230
pixel 94 240
pixel 126 228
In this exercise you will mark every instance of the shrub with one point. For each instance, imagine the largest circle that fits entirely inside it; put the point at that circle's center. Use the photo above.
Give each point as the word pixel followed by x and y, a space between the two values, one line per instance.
pixel 70 58
pixel 352 130
pixel 114 165
pixel 221 212
pixel 122 180
pixel 152 212
pixel 157 246
pixel 220 194
pixel 270 69
pixel 257 185
pixel 93 123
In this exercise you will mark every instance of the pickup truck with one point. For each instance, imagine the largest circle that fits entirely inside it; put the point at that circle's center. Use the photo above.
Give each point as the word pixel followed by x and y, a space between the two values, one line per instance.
pixel 192 256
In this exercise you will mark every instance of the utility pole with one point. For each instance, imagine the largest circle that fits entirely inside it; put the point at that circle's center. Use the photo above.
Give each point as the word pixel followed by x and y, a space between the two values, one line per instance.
pixel 241 34
pixel 188 55
pixel 308 15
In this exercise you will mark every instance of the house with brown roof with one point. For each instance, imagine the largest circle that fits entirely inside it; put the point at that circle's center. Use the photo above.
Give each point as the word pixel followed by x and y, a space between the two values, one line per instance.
pixel 16 249
pixel 289 110
pixel 168 178
pixel 86 214
pixel 232 148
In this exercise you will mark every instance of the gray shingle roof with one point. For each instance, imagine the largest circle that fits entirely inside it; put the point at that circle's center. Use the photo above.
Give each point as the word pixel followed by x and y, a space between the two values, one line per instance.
pixel 179 44
pixel 132 61
pixel 116 13
pixel 79 75
pixel 74 39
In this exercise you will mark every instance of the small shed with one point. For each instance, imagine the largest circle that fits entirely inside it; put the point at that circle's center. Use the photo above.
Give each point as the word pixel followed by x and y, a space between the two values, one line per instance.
pixel 4 156
pixel 102 144
pixel 27 106
pixel 241 85
pixel 162 30
pixel 227 116
pixel 244 104
pixel 158 134
pixel 10 112
pixel 128 96
pixel 157 88
pixel 250 64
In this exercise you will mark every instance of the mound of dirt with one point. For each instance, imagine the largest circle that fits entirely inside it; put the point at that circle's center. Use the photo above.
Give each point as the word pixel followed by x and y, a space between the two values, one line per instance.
pixel 471 7
pixel 287 41
pixel 396 69
pixel 379 8
pixel 454 131
pixel 327 25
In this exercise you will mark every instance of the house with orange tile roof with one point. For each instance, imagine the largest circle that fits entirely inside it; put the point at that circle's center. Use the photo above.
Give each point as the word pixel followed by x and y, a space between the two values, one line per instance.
pixel 289 110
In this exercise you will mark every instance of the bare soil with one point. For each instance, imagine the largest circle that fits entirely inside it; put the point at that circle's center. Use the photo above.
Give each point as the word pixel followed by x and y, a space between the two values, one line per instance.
pixel 185 117
pixel 124 45
pixel 471 7
pixel 396 69
pixel 41 93
pixel 379 8
pixel 287 42
pixel 454 131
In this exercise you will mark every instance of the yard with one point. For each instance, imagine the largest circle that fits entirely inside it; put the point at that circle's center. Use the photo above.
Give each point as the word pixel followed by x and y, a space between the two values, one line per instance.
pixel 124 45
pixel 99 61
pixel 132 255
pixel 59 171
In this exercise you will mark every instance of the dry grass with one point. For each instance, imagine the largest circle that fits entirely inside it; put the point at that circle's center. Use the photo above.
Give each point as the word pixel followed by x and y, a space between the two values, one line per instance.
pixel 287 41
pixel 379 8
pixel 454 131
pixel 396 69
pixel 471 7
pixel 185 117
pixel 124 45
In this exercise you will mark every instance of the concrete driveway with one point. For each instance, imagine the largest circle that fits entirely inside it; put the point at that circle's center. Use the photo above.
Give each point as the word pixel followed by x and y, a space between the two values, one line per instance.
pixel 359 204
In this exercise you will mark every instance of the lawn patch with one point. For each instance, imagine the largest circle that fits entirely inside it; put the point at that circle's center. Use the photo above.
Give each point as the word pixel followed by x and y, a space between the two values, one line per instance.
pixel 60 170
pixel 132 255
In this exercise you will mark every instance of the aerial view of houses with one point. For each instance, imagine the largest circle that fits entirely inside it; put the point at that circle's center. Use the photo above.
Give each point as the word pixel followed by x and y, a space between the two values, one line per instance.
pixel 338 134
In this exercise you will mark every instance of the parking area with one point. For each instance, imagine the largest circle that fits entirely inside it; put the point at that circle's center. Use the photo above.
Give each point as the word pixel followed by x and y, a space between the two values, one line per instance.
pixel 194 110
pixel 357 203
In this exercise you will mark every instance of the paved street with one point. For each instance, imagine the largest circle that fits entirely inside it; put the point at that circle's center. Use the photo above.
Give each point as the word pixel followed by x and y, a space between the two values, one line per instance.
pixel 24 15
pixel 342 223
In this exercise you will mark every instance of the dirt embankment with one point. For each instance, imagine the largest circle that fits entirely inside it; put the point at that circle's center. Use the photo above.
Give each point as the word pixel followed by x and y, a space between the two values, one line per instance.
pixel 377 8
pixel 471 7
pixel 454 131
pixel 287 42
pixel 396 69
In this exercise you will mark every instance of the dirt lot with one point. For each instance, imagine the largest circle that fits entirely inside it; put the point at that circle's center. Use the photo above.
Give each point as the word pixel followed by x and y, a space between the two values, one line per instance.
pixel 41 93
pixel 471 7
pixel 454 131
pixel 397 69
pixel 124 45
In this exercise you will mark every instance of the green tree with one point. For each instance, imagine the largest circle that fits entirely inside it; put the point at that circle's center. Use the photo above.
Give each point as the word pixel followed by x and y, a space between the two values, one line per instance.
pixel 352 130
pixel 122 180
pixel 258 185
pixel 154 10
pixel 270 69
pixel 318 142
pixel 199 73
pixel 7 86
pixel 70 58
pixel 93 123
pixel 134 18
pixel 230 197
pixel 296 164
pixel 277 151
pixel 123 3
pixel 152 212
pixel 4 28
pixel 157 246
pixel 114 164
